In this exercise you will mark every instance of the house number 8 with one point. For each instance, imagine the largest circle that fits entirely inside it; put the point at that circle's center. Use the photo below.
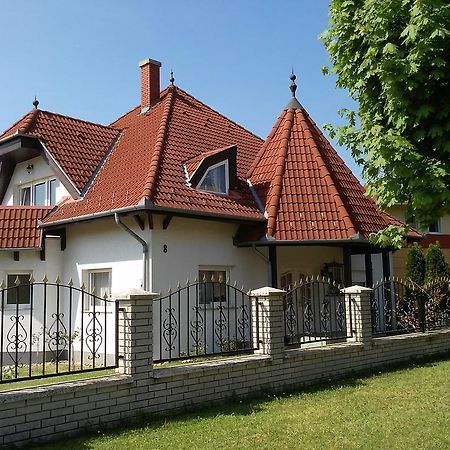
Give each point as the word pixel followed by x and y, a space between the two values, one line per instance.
pixel 165 248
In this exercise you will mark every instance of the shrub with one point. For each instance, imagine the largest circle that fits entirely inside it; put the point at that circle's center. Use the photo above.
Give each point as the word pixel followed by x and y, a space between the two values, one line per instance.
pixel 436 267
pixel 415 265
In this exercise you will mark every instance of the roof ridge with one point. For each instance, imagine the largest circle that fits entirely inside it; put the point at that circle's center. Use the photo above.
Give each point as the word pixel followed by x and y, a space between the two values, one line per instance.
pixel 78 120
pixel 28 121
pixel 276 184
pixel 150 182
pixel 163 93
pixel 264 146
pixel 218 113
pixel 323 167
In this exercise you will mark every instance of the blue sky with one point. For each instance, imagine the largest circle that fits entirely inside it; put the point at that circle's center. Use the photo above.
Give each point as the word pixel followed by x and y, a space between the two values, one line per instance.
pixel 81 57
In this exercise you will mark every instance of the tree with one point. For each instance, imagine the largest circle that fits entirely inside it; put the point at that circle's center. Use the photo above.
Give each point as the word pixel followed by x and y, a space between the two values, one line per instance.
pixel 436 267
pixel 393 57
pixel 415 265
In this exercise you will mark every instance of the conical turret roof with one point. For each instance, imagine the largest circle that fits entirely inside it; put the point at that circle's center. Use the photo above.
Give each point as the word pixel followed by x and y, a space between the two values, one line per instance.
pixel 308 191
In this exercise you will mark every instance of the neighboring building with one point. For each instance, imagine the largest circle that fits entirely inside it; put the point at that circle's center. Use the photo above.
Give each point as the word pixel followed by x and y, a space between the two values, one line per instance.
pixel 174 190
pixel 436 232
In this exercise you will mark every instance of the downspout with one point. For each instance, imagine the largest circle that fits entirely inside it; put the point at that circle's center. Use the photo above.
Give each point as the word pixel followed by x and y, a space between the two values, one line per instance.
pixel 144 249
pixel 267 260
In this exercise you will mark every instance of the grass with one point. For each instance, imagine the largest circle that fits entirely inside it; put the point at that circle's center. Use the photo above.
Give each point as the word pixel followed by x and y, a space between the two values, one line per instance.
pixel 50 368
pixel 402 409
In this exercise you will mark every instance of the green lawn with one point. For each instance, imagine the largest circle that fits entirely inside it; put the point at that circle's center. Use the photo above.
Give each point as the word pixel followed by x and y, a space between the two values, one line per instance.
pixel 404 409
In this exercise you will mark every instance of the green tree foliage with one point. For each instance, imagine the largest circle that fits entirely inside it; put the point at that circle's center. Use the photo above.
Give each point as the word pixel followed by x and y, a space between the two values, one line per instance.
pixel 393 57
pixel 436 267
pixel 415 265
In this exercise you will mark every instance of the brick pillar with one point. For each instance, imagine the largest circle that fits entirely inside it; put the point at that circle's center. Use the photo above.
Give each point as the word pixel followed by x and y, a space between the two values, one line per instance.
pixel 270 327
pixel 358 313
pixel 136 334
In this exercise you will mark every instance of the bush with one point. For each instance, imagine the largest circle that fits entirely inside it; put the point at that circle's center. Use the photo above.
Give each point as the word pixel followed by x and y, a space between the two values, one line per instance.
pixel 415 265
pixel 436 267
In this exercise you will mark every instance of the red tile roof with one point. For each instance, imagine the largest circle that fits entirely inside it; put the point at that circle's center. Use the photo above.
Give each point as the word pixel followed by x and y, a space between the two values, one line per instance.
pixel 146 165
pixel 18 226
pixel 76 145
pixel 308 191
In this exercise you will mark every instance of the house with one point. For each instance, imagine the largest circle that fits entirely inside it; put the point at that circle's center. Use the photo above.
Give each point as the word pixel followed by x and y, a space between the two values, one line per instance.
pixel 436 232
pixel 174 190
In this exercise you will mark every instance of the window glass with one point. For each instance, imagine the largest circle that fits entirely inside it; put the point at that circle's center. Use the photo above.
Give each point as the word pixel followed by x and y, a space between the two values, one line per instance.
pixel 215 180
pixel 39 194
pixel 99 282
pixel 25 196
pixel 52 192
pixel 20 294
pixel 434 228
pixel 213 286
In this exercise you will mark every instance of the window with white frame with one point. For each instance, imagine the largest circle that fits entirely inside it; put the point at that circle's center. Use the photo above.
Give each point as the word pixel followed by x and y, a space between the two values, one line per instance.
pixel 213 286
pixel 434 227
pixel 18 289
pixel 216 179
pixel 38 193
pixel 98 284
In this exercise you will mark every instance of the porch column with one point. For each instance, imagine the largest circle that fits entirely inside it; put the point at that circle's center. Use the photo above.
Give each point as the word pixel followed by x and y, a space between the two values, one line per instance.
pixel 273 265
pixel 358 313
pixel 135 340
pixel 269 329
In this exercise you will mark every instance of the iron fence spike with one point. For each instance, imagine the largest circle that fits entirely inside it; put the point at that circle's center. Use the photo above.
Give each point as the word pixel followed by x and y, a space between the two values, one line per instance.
pixel 220 278
pixel 178 285
pixel 295 284
pixel 93 291
pixel 235 284
pixel 204 278
pixel 2 284
pixel 242 288
pixel 70 283
pixel 31 280
pixel 45 279
pixel 105 296
pixel 212 277
pixel 195 280
pixel 187 282
pixel 58 280
pixel 170 290
pixel 17 281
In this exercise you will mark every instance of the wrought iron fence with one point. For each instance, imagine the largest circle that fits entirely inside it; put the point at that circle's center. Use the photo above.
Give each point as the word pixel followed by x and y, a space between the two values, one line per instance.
pixel 315 310
pixel 49 329
pixel 400 306
pixel 203 318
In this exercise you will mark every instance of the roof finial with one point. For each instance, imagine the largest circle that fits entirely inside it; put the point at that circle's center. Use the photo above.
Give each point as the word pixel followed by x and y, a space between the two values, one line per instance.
pixel 293 86
pixel 172 79
pixel 36 102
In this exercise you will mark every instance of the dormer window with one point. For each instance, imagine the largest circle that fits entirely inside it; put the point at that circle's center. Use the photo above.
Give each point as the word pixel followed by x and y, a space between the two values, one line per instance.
pixel 39 193
pixel 216 179
pixel 213 171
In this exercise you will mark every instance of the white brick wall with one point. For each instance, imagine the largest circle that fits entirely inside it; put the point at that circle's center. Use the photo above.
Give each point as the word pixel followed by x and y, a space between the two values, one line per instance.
pixel 45 413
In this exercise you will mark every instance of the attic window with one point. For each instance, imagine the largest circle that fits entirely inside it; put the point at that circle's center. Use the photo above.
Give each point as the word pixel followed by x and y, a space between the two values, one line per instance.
pixel 216 179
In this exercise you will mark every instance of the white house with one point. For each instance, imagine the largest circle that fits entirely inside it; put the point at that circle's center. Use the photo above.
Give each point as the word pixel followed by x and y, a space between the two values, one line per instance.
pixel 173 190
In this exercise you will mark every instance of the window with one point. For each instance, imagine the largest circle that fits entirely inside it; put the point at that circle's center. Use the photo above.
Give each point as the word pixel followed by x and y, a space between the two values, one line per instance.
pixel 99 283
pixel 18 294
pixel 434 227
pixel 212 287
pixel 215 179
pixel 42 193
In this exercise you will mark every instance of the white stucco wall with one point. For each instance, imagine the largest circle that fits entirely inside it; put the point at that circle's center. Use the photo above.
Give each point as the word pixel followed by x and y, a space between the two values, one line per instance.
pixel 306 261
pixel 41 171
pixel 193 244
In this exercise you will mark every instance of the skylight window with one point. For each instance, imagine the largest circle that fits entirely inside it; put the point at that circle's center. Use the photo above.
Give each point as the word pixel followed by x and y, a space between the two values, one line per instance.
pixel 216 179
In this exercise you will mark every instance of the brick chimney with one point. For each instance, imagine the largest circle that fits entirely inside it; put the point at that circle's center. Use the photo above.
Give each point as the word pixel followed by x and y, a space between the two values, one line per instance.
pixel 150 88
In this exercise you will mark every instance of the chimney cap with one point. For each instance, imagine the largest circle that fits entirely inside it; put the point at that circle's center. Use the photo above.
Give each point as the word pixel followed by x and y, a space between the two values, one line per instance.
pixel 144 62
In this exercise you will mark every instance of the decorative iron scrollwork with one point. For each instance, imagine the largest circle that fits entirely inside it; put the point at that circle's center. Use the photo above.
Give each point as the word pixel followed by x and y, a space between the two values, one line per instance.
pixel 94 337
pixel 57 339
pixel 197 330
pixel 16 338
pixel 220 326
pixel 170 329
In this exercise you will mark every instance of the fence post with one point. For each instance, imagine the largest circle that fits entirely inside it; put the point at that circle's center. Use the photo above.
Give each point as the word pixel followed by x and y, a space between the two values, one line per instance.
pixel 135 339
pixel 270 327
pixel 359 313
